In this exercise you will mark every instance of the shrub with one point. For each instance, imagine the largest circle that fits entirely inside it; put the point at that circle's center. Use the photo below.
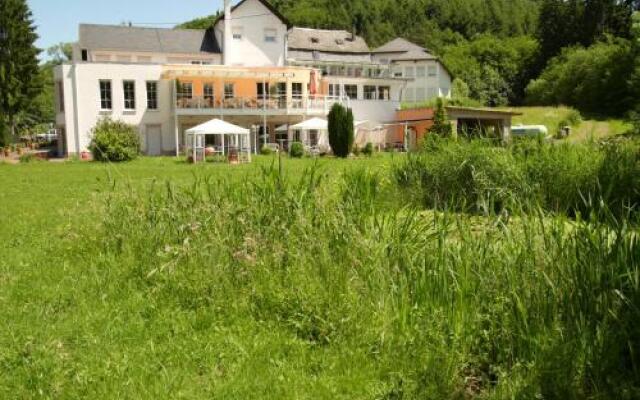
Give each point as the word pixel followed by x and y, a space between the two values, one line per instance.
pixel 368 149
pixel 297 150
pixel 266 150
pixel 341 130
pixel 114 141
pixel 441 125
pixel 29 158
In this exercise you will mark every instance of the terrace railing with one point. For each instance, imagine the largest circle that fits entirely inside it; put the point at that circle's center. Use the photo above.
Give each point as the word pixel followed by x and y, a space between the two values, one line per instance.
pixel 259 103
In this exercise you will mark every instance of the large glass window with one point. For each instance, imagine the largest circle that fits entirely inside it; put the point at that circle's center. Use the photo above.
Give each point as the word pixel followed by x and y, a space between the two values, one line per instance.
pixel 433 71
pixel 409 72
pixel 263 90
pixel 384 93
pixel 185 90
pixel 152 95
pixel 106 102
pixel 421 72
pixel 351 91
pixel 208 92
pixel 229 90
pixel 370 92
pixel 334 90
pixel 129 88
pixel 296 90
pixel 409 95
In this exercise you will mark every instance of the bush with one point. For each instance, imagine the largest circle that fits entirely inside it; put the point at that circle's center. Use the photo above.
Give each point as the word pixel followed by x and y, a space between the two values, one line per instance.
pixel 114 141
pixel 266 150
pixel 297 150
pixel 341 130
pixel 368 149
pixel 29 158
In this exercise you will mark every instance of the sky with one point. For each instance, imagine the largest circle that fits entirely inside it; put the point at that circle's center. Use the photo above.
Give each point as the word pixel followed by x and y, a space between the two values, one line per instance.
pixel 57 20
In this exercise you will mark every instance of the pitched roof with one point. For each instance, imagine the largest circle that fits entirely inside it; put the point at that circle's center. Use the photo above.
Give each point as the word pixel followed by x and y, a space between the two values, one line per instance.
pixel 398 45
pixel 414 56
pixel 265 3
pixel 326 40
pixel 114 37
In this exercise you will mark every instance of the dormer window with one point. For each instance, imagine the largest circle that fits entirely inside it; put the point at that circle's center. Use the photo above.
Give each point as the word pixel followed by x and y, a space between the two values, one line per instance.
pixel 340 41
pixel 315 40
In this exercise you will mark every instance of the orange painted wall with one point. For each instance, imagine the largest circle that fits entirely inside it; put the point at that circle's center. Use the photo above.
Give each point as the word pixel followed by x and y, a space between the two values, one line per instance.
pixel 420 119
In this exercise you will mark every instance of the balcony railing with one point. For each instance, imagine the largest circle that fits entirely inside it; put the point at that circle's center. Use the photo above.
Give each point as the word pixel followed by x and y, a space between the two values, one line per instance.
pixel 259 103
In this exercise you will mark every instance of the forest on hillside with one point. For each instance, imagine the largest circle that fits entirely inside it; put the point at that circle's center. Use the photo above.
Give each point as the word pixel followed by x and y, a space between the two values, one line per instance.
pixel 581 53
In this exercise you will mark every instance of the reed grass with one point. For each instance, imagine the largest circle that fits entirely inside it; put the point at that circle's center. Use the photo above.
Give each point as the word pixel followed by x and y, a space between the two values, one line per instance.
pixel 323 284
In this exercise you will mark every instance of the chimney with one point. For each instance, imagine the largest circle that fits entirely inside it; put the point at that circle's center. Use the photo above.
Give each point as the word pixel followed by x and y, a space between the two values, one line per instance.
pixel 228 34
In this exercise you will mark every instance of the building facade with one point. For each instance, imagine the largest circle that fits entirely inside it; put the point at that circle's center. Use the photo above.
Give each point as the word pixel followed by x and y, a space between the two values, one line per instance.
pixel 251 68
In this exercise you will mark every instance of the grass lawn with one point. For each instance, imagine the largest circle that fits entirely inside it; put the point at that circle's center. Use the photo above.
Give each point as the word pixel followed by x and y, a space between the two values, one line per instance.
pixel 158 279
pixel 70 330
pixel 587 130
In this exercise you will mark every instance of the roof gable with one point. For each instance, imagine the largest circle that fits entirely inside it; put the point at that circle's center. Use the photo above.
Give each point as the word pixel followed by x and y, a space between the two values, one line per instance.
pixel 265 3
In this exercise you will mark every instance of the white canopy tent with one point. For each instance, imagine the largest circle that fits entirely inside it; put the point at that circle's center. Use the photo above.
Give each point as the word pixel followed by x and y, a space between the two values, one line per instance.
pixel 239 138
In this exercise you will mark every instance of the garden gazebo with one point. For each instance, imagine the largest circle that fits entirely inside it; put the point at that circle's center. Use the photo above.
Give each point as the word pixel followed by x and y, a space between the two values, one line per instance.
pixel 236 140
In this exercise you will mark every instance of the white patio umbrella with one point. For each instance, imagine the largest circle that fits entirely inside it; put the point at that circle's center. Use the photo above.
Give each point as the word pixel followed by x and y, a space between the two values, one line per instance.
pixel 313 124
pixel 217 127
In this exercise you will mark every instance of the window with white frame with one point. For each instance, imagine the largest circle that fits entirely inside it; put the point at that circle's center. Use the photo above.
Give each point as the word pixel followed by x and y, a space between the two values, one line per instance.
pixel 208 92
pixel 185 90
pixel 409 95
pixel 270 36
pixel 351 91
pixel 421 71
pixel 129 89
pixel 152 95
pixel 334 90
pixel 106 98
pixel 433 71
pixel 229 90
pixel 237 32
pixel 432 92
pixel 370 92
pixel 384 93
pixel 409 72
pixel 296 90
pixel 421 94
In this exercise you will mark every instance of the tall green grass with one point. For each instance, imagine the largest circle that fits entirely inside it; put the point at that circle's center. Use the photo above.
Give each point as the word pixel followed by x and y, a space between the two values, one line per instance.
pixel 479 176
pixel 275 287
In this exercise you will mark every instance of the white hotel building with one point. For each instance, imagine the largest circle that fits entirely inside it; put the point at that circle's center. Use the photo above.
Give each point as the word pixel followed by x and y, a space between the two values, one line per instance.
pixel 250 68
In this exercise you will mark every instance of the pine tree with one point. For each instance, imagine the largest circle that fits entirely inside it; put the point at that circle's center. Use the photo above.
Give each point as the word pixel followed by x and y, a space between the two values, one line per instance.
pixel 441 125
pixel 19 73
pixel 341 130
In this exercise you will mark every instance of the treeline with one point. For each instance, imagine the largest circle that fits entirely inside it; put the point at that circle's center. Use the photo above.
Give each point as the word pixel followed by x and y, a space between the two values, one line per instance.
pixel 582 53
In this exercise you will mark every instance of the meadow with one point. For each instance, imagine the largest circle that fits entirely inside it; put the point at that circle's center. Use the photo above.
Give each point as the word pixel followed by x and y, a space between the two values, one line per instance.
pixel 315 279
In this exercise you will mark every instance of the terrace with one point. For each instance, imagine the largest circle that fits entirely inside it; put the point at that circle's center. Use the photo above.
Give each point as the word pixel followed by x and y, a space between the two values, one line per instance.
pixel 272 105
